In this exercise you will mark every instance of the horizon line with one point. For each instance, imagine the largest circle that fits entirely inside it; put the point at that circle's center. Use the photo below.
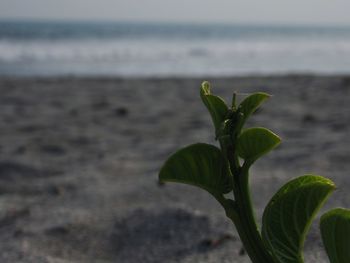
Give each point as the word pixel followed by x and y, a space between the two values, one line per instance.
pixel 172 22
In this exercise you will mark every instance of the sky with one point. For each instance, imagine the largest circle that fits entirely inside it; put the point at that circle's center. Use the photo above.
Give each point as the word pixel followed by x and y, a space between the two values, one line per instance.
pixel 314 12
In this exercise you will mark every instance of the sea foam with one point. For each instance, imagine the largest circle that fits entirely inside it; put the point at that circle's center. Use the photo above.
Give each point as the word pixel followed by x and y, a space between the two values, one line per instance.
pixel 220 50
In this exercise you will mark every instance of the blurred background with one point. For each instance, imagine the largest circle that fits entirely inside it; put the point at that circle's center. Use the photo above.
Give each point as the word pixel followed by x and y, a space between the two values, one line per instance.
pixel 167 38
pixel 96 94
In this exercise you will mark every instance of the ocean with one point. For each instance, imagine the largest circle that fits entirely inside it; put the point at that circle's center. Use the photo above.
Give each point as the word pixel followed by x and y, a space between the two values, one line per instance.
pixel 157 50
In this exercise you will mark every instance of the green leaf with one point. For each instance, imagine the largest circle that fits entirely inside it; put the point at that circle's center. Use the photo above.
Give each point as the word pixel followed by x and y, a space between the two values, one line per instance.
pixel 215 105
pixel 201 165
pixel 288 215
pixel 249 105
pixel 255 142
pixel 335 230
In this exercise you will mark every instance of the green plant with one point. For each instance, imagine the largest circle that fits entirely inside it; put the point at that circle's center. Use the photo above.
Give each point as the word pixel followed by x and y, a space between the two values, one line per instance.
pixel 288 215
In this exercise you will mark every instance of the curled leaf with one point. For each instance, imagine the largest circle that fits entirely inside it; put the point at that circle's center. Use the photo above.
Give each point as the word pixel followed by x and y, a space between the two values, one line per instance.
pixel 288 215
pixel 335 230
pixel 255 142
pixel 215 105
pixel 250 104
pixel 200 164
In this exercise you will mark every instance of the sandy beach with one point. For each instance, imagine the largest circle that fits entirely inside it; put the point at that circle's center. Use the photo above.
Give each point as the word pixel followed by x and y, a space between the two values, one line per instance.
pixel 79 161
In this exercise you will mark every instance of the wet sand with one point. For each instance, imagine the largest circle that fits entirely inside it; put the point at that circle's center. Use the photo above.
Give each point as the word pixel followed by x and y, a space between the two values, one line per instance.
pixel 79 159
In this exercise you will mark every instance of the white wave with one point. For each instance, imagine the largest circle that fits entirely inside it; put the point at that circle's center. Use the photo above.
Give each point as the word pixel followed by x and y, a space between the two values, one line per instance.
pixel 179 56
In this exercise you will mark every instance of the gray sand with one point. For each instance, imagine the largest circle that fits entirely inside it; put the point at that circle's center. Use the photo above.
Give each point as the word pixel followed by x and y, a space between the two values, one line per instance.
pixel 79 161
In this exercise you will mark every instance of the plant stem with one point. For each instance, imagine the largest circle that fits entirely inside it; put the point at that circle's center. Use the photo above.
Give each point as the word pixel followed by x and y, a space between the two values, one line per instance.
pixel 245 220
pixel 242 213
